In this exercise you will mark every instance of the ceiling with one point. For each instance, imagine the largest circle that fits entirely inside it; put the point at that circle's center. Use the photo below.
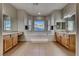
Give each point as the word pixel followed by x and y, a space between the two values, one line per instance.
pixel 39 8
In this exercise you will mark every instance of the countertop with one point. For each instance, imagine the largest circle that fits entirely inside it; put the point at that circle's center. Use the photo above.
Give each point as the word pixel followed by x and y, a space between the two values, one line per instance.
pixel 9 33
pixel 68 33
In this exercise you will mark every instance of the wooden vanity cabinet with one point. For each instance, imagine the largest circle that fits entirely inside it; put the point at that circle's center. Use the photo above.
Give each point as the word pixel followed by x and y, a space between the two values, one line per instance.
pixel 10 40
pixel 72 42
pixel 7 40
pixel 14 39
pixel 67 40
pixel 58 37
pixel 63 40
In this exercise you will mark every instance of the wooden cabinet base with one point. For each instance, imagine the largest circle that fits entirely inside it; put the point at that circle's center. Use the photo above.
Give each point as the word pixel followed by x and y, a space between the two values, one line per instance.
pixel 7 43
pixel 14 39
pixel 67 40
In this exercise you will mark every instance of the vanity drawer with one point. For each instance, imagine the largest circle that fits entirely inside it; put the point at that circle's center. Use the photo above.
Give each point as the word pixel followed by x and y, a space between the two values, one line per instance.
pixel 14 39
pixel 7 43
pixel 72 42
pixel 6 36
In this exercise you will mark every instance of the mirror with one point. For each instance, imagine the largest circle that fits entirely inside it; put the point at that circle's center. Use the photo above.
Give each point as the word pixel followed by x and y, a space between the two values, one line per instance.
pixel 60 25
pixel 6 23
pixel 70 23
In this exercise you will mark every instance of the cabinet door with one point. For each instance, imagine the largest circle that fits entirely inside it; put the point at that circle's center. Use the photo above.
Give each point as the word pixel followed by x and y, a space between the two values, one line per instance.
pixel 56 36
pixel 59 37
pixel 63 39
pixel 14 39
pixel 7 43
pixel 67 40
pixel 72 42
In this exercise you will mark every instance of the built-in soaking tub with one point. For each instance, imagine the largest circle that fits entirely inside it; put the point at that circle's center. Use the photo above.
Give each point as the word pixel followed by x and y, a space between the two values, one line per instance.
pixel 39 37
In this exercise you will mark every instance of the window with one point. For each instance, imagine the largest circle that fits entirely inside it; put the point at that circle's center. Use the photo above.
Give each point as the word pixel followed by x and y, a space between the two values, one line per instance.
pixel 7 24
pixel 39 25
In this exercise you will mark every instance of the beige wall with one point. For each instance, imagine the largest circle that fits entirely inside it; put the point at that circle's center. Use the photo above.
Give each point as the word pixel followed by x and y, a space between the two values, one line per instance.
pixel 12 12
pixel 1 40
pixel 69 9
pixel 77 41
pixel 57 17
pixel 22 21
pixel 0 18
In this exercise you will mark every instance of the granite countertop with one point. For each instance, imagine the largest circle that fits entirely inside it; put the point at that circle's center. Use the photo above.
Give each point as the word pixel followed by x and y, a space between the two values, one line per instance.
pixel 71 33
pixel 67 32
pixel 6 33
pixel 9 33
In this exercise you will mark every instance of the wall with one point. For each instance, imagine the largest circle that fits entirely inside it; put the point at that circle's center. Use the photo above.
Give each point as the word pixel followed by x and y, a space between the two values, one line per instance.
pixel 0 18
pixel 12 13
pixel 52 23
pixel 1 40
pixel 77 21
pixel 69 10
pixel 56 17
pixel 22 21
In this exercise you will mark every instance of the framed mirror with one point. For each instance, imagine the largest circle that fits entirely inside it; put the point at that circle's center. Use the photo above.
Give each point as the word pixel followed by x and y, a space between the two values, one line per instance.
pixel 70 23
pixel 7 25
pixel 60 25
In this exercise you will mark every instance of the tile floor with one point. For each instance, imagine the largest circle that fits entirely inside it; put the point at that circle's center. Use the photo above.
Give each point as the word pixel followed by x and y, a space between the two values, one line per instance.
pixel 39 49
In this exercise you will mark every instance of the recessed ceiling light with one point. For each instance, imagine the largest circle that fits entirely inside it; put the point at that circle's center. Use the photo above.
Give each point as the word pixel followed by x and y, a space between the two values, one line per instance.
pixel 38 13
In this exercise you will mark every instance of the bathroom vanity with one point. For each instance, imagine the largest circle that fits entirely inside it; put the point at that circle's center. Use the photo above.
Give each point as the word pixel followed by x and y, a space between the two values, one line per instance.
pixel 66 39
pixel 10 40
